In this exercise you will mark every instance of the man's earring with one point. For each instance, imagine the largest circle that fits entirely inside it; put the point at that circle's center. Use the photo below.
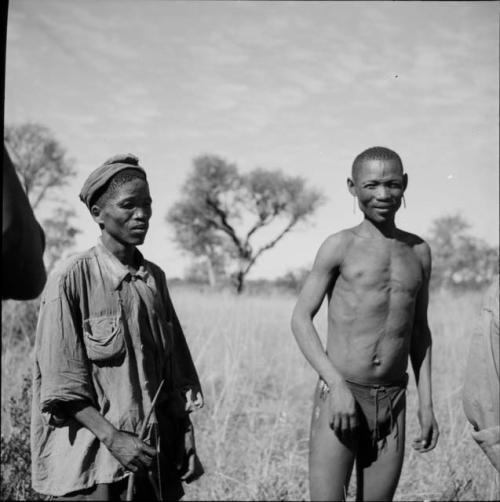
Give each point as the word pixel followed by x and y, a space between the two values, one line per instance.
pixel 354 205
pixel 404 202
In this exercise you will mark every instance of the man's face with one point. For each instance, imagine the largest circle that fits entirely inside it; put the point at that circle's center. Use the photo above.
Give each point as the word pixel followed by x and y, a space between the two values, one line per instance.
pixel 125 215
pixel 379 186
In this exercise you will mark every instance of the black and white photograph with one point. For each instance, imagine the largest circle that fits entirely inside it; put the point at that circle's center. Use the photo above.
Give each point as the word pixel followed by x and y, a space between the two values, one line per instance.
pixel 250 250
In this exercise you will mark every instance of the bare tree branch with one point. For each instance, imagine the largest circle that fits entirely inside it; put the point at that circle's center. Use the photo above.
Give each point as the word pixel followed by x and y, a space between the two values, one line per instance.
pixel 225 226
pixel 271 244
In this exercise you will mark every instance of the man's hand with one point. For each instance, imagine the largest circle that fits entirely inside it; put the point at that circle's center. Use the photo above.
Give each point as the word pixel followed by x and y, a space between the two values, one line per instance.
pixel 188 463
pixel 130 451
pixel 343 415
pixel 429 431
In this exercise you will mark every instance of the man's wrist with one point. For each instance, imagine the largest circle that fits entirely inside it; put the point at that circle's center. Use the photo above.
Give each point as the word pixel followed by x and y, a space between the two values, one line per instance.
pixel 333 381
pixel 106 435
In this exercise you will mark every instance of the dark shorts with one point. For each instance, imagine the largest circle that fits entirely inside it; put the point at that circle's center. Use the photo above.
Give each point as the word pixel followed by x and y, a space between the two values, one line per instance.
pixel 378 408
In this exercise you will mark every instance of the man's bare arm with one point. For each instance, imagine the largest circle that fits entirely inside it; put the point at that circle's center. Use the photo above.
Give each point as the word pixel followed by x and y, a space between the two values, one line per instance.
pixel 325 270
pixel 127 448
pixel 420 354
pixel 310 298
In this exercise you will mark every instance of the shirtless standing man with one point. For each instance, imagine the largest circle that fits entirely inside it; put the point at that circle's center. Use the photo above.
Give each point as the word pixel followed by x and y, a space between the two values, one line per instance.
pixel 376 278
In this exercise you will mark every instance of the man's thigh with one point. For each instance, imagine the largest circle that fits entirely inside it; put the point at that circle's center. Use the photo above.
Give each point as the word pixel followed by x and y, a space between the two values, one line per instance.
pixel 330 459
pixel 378 479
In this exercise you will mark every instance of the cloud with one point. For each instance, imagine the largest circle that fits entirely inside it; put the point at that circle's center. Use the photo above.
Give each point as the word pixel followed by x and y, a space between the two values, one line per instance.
pixel 219 52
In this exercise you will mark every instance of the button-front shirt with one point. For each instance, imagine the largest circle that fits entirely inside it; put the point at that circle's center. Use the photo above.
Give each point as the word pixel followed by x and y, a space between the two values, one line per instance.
pixel 107 337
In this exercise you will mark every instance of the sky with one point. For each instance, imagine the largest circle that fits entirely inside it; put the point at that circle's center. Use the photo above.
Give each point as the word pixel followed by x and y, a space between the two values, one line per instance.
pixel 298 86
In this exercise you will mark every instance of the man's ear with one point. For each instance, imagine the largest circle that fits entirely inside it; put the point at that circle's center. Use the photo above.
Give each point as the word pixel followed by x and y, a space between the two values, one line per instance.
pixel 405 181
pixel 351 187
pixel 95 211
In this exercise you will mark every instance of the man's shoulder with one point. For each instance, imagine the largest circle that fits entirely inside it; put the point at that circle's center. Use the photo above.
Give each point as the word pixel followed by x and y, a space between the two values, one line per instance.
pixel 419 246
pixel 153 268
pixel 342 238
pixel 335 246
pixel 414 241
pixel 65 273
pixel 74 261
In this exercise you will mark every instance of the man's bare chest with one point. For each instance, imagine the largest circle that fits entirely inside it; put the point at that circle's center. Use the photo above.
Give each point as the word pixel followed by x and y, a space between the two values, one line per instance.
pixel 382 265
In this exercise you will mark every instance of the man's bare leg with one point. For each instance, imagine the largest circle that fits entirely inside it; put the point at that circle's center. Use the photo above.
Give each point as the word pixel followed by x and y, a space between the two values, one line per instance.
pixel 379 480
pixel 330 460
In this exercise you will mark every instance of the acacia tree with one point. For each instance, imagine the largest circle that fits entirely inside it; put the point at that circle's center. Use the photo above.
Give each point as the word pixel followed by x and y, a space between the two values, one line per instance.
pixel 44 168
pixel 221 211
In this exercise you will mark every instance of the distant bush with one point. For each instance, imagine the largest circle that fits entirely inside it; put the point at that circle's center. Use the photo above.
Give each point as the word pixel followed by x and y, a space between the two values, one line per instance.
pixel 460 261
pixel 293 280
pixel 15 449
pixel 19 321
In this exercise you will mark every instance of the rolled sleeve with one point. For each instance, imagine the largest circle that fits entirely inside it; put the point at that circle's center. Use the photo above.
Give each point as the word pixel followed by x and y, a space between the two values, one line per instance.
pixel 61 358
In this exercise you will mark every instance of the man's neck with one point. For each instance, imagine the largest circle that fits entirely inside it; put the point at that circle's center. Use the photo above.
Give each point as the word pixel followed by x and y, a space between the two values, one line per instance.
pixel 123 252
pixel 386 229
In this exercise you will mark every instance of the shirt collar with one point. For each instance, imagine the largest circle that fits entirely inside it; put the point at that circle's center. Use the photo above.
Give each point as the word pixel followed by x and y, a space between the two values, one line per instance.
pixel 117 271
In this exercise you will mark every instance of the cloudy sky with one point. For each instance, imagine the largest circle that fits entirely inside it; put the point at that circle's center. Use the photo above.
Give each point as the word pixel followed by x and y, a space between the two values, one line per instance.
pixel 301 86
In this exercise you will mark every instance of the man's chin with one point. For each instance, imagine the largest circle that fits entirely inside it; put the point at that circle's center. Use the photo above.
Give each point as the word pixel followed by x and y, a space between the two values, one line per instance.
pixel 381 218
pixel 137 241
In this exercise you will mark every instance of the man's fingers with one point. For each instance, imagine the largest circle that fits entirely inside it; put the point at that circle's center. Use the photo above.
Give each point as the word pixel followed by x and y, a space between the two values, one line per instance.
pixel 148 450
pixel 427 440
pixel 133 465
pixel 353 422
pixel 190 469
pixel 432 441
pixel 344 425
pixel 146 460
pixel 335 423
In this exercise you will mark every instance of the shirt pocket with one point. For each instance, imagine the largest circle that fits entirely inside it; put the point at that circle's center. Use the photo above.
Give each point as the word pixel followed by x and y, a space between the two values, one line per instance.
pixel 104 338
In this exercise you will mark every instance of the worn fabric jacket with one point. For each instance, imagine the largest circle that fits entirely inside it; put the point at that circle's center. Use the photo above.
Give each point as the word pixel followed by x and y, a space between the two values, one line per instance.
pixel 481 392
pixel 106 337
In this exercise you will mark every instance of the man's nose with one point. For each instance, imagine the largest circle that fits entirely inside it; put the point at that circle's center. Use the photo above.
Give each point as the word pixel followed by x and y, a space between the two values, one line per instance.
pixel 142 213
pixel 382 193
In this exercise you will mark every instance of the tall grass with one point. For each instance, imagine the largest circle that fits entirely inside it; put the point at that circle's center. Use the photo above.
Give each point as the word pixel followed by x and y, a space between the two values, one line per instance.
pixel 252 435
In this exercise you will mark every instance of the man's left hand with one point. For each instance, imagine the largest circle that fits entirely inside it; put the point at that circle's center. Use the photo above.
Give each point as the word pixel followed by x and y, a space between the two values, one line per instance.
pixel 189 464
pixel 429 431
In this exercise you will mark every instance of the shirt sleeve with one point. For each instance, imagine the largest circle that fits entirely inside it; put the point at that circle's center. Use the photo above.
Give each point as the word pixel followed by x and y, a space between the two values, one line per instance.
pixel 481 387
pixel 185 385
pixel 60 356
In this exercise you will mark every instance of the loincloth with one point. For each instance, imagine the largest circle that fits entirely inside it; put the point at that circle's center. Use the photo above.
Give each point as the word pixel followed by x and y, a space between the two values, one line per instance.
pixel 378 407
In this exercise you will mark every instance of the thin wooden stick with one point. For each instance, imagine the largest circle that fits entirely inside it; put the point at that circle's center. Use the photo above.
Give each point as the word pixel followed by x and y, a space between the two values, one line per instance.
pixel 131 478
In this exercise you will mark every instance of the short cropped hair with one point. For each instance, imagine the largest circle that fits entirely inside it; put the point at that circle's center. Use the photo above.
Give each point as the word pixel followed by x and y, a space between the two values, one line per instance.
pixel 375 153
pixel 112 186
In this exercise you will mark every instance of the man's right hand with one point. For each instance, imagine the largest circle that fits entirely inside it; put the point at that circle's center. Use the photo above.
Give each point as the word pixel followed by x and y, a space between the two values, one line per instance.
pixel 130 451
pixel 343 415
pixel 126 447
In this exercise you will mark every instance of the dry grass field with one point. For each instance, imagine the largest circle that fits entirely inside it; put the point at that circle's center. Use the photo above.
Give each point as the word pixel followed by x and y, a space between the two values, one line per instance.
pixel 252 435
